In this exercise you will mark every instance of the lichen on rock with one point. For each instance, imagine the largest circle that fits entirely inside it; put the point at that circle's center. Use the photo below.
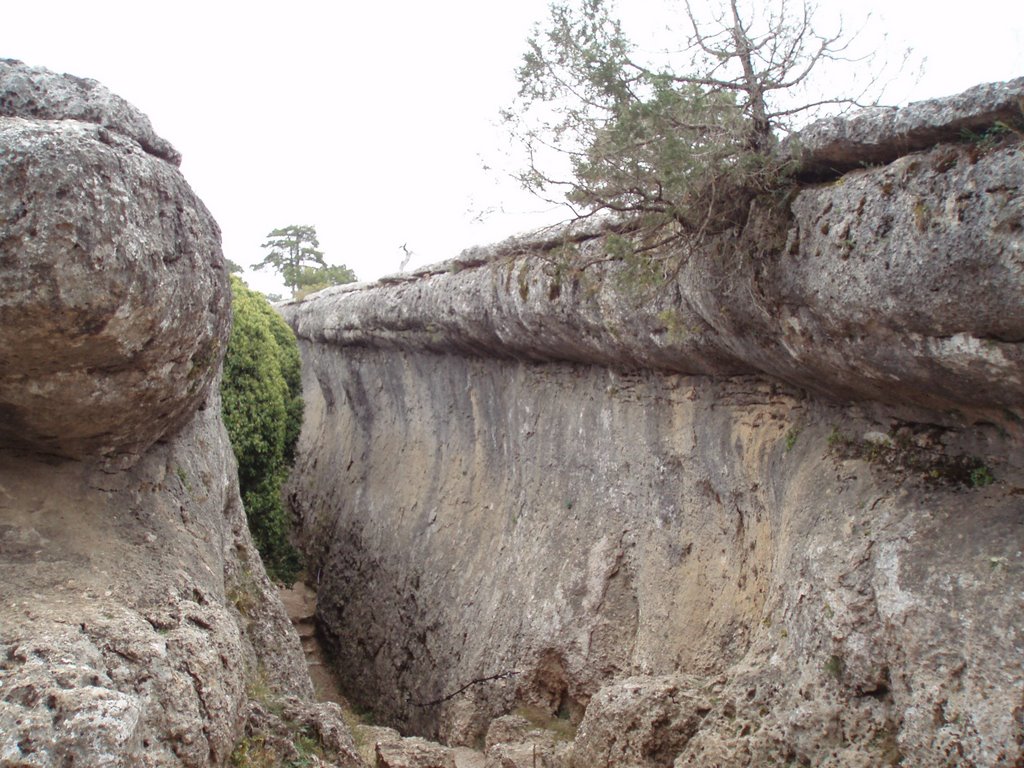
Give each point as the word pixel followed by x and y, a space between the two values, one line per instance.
pixel 39 94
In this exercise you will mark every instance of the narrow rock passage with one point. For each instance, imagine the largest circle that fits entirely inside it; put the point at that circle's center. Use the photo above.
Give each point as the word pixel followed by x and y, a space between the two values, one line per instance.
pixel 300 603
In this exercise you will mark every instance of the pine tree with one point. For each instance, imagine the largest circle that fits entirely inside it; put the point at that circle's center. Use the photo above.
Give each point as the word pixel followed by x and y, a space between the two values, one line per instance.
pixel 291 250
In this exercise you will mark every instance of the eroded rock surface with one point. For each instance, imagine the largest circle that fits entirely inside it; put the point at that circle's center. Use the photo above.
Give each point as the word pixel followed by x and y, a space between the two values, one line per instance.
pixel 137 625
pixel 412 752
pixel 136 618
pixel 767 513
pixel 38 93
pixel 881 135
pixel 515 742
pixel 903 283
pixel 115 308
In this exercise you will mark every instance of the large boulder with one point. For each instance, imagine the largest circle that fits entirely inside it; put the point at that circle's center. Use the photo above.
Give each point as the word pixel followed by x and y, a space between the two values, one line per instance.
pixel 640 722
pixel 115 307
pixel 37 93
pixel 137 624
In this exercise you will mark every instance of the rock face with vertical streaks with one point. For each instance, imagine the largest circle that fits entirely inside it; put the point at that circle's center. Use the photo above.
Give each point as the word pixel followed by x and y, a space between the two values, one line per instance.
pixel 767 513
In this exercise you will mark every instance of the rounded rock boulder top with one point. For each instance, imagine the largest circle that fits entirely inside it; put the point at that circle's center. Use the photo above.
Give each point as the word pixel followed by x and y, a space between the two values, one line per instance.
pixel 115 307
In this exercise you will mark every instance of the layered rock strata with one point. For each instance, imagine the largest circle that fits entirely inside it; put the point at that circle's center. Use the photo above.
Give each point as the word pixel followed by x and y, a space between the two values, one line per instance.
pixel 137 625
pixel 764 509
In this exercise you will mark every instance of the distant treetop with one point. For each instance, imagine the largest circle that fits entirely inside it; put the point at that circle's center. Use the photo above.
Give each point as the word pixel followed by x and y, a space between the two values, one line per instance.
pixel 294 252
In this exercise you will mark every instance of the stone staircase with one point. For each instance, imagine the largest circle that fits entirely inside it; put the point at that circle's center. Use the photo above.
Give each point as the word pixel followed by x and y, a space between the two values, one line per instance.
pixel 379 747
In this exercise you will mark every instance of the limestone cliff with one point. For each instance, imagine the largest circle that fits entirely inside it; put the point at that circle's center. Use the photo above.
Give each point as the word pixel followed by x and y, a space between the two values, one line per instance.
pixel 137 626
pixel 768 512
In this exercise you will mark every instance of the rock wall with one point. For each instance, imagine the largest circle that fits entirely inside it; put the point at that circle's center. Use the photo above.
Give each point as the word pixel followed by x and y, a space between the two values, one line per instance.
pixel 768 512
pixel 137 626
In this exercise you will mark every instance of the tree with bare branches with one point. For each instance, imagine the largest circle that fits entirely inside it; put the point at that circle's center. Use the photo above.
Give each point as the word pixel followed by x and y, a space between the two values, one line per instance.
pixel 680 143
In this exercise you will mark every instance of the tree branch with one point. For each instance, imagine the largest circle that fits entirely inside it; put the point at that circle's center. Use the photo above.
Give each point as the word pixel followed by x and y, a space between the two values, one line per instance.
pixel 470 684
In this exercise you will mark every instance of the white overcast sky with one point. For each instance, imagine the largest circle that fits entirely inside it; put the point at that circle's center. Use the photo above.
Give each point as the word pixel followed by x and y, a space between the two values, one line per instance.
pixel 369 120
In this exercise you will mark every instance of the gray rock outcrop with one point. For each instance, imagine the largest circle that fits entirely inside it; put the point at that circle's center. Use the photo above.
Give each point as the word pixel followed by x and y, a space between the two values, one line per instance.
pixel 883 134
pixel 412 752
pixel 39 94
pixel 857 290
pixel 126 603
pixel 765 513
pixel 115 308
pixel 137 625
pixel 515 742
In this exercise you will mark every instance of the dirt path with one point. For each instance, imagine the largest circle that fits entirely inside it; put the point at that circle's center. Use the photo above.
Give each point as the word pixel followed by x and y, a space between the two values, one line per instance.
pixel 300 603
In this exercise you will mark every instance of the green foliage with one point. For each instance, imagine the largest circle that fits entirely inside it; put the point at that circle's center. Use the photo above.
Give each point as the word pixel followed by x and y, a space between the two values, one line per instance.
pixel 834 667
pixel 289 250
pixel 643 275
pixel 244 593
pixel 254 752
pixel 995 135
pixel 561 727
pixel 310 279
pixel 668 156
pixel 675 327
pixel 980 476
pixel 258 751
pixel 791 437
pixel 637 140
pixel 309 748
pixel 262 407
pixel 678 143
pixel 288 745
